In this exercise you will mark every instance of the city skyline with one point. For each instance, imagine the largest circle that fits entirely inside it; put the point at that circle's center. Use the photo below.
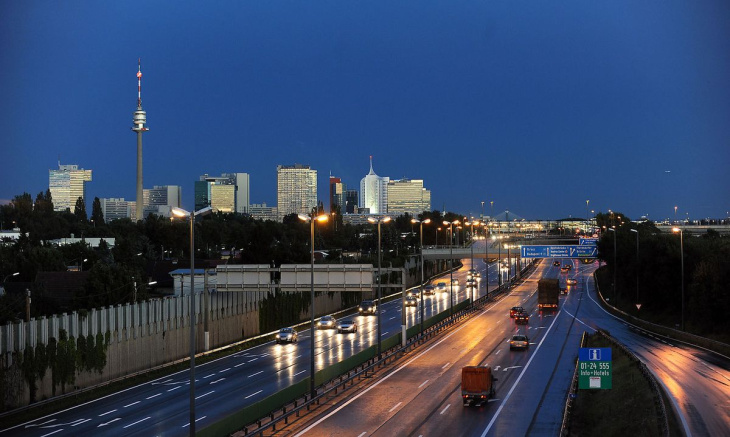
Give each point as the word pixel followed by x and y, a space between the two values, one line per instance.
pixel 535 110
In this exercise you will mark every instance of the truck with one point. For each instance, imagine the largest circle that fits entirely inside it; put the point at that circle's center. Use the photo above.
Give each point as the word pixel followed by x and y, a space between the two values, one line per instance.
pixel 548 291
pixel 477 385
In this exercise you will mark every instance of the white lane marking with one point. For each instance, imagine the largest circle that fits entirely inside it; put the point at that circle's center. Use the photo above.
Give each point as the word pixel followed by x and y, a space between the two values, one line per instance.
pixel 254 374
pixel 44 435
pixel 107 423
pixel 384 333
pixel 253 394
pixel 445 365
pixel 79 423
pixel 423 383
pixel 238 365
pixel 511 367
pixel 391 410
pixel 497 353
pixel 298 356
pixel 299 373
pixel 154 396
pixel 224 370
pixel 136 422
pixel 104 414
pixel 578 320
pixel 512 389
pixel 133 403
pixel 43 423
pixel 217 381
pixel 252 360
pixel 209 376
pixel 362 434
pixel 175 388
pixel 444 410
pixel 196 420
pixel 212 391
pixel 353 399
pixel 392 318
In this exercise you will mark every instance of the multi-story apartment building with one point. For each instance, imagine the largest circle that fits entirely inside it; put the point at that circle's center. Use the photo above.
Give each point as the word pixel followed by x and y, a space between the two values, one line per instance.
pixel 117 208
pixel 67 184
pixel 263 212
pixel 296 189
pixel 161 199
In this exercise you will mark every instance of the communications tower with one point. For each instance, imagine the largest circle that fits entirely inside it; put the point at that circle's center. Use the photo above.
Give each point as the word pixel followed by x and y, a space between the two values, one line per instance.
pixel 139 126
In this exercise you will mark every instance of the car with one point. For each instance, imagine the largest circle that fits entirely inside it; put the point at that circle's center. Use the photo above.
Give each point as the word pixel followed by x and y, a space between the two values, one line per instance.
pixel 367 307
pixel 515 310
pixel 410 301
pixel 441 286
pixel 470 273
pixel 429 290
pixel 286 335
pixel 556 263
pixel 471 282
pixel 346 326
pixel 571 281
pixel 564 269
pixel 519 341
pixel 326 322
pixel 522 318
pixel 455 282
pixel 567 266
pixel 415 292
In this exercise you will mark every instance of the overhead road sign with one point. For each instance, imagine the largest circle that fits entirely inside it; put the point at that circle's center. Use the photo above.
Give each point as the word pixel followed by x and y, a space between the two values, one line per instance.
pixel 559 251
pixel 587 241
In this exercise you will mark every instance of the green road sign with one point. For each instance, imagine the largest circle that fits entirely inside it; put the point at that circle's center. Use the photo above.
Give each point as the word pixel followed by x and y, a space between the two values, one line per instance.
pixel 594 368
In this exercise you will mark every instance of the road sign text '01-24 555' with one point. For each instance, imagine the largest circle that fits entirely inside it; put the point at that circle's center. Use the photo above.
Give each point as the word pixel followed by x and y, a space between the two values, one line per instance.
pixel 594 368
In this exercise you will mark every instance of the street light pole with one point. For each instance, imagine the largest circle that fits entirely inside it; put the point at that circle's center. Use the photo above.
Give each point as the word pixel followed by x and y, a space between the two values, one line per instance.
pixel 615 267
pixel 451 259
pixel 472 223
pixel 637 266
pixel 421 223
pixel 311 219
pixel 179 212
pixel 378 222
pixel 681 252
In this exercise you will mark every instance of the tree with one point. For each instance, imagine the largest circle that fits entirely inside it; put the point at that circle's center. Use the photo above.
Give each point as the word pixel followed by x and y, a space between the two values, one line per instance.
pixel 96 215
pixel 80 210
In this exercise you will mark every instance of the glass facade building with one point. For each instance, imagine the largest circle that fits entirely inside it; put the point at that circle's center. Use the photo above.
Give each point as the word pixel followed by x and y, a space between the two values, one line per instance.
pixel 67 184
pixel 374 192
pixel 408 196
pixel 296 189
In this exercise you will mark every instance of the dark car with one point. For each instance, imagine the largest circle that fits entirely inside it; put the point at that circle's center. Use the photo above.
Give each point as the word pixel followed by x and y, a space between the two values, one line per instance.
pixel 346 326
pixel 568 266
pixel 410 301
pixel 326 322
pixel 367 307
pixel 522 318
pixel 441 286
pixel 571 281
pixel 515 310
pixel 556 263
pixel 429 290
pixel 286 335
pixel 519 342
pixel 564 269
pixel 413 293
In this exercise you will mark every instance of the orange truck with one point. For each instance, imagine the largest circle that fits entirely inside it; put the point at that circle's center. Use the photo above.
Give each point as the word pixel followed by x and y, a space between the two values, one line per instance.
pixel 477 385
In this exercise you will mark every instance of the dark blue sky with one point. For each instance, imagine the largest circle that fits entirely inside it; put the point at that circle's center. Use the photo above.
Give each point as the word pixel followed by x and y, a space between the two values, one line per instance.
pixel 537 106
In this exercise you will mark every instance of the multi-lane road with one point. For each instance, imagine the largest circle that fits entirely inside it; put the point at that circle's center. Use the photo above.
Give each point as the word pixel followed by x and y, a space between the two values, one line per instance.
pixel 228 384
pixel 421 396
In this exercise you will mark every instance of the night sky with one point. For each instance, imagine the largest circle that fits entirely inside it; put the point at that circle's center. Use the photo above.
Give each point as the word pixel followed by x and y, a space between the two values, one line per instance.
pixel 536 106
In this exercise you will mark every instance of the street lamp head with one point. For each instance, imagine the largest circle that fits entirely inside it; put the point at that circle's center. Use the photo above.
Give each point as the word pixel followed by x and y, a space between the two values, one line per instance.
pixel 385 219
pixel 634 230
pixel 612 229
pixel 446 223
pixel 303 217
pixel 322 218
pixel 675 230
pixel 427 221
pixel 414 221
pixel 372 220
pixel 205 211
pixel 179 212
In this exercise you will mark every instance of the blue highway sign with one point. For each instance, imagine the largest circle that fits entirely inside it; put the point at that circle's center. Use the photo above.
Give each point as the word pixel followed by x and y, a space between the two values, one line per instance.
pixel 558 251
pixel 587 241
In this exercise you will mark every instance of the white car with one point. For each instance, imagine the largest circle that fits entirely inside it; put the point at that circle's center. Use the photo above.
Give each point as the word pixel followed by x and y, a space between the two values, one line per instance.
pixel 326 322
pixel 441 286
pixel 346 326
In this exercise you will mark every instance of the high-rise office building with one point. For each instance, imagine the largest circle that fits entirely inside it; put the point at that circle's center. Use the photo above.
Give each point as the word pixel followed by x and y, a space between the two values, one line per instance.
pixel 263 212
pixel 231 192
pixel 160 200
pixel 67 184
pixel 337 194
pixel 296 189
pixel 351 201
pixel 374 192
pixel 408 196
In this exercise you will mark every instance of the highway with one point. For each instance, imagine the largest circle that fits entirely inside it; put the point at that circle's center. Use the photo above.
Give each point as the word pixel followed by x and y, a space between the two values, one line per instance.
pixel 223 386
pixel 421 397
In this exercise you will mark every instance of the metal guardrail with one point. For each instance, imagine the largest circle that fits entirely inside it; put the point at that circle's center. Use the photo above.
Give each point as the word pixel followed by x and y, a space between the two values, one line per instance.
pixel 568 409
